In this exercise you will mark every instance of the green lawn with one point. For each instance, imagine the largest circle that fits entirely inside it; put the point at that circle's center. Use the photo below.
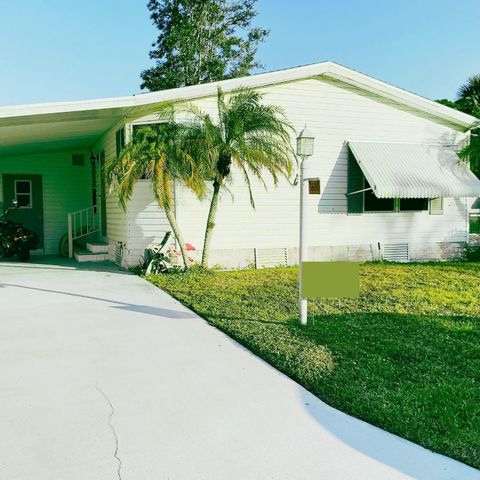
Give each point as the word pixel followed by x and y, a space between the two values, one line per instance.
pixel 405 356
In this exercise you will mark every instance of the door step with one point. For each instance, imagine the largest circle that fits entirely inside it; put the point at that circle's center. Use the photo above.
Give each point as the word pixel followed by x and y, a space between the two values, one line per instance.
pixel 94 252
pixel 97 247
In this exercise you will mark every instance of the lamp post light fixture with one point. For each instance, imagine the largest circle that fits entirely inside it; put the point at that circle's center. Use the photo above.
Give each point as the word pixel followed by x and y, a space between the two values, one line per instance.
pixel 305 147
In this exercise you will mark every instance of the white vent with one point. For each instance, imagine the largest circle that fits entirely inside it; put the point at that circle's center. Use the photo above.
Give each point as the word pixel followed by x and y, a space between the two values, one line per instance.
pixel 119 253
pixel 271 257
pixel 78 160
pixel 396 252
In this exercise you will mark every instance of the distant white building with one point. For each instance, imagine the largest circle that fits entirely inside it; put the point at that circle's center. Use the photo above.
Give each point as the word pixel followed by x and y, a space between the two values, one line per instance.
pixel 391 184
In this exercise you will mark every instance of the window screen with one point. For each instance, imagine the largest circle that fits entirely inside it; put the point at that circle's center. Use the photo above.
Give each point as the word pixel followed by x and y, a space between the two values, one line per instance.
pixel 375 204
pixel 413 204
pixel 120 140
pixel 355 183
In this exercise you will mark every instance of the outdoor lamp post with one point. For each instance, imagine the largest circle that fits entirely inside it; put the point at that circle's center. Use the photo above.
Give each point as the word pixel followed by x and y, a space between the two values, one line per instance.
pixel 305 141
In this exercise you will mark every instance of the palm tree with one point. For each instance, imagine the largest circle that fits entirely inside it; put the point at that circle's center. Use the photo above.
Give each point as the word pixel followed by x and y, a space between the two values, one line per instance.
pixel 248 135
pixel 468 101
pixel 471 152
pixel 468 97
pixel 154 153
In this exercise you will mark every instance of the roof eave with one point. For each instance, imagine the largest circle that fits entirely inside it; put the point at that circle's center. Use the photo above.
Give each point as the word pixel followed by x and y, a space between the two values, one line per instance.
pixel 146 101
pixel 399 95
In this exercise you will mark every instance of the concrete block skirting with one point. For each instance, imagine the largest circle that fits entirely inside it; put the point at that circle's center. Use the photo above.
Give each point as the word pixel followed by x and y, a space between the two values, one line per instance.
pixel 245 257
pixel 474 239
pixel 436 251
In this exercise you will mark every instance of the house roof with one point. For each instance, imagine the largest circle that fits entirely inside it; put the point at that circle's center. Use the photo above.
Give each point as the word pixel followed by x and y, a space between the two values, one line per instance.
pixel 82 122
pixel 397 170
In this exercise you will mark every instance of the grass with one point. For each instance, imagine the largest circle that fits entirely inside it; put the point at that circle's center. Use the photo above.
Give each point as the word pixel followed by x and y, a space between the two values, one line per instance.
pixel 404 356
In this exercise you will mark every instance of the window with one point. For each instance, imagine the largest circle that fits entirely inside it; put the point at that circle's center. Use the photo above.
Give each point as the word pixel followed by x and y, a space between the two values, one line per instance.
pixel 355 183
pixel 23 193
pixel 413 204
pixel 374 204
pixel 119 140
pixel 360 200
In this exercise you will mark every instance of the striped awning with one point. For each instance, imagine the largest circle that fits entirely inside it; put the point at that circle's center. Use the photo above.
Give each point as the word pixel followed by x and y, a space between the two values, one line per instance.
pixel 397 170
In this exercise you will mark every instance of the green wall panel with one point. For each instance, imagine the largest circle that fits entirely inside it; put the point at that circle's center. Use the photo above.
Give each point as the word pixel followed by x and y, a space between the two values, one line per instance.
pixel 66 188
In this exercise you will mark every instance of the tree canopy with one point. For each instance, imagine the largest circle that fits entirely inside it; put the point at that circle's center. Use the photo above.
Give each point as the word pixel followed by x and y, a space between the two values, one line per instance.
pixel 201 41
pixel 469 96
pixel 468 101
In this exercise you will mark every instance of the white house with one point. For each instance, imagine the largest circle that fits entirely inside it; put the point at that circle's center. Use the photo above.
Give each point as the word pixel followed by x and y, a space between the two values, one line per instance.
pixel 391 183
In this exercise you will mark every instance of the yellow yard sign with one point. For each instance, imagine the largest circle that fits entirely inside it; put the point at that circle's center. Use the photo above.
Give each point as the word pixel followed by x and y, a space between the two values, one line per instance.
pixel 330 279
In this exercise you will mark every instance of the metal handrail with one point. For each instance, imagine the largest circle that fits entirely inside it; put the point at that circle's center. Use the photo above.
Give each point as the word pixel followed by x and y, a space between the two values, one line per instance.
pixel 80 224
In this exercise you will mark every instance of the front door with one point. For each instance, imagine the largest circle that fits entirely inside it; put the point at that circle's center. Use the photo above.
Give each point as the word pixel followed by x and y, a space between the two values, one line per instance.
pixel 28 190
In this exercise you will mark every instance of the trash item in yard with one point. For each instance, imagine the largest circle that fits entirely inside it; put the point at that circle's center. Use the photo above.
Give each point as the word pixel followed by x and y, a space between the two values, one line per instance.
pixel 159 258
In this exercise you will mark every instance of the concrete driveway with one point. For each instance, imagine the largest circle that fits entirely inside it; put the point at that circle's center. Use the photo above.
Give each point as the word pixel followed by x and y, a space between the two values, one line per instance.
pixel 103 376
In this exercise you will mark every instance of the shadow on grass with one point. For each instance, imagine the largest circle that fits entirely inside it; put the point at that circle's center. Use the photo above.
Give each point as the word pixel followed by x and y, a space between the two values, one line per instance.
pixel 394 320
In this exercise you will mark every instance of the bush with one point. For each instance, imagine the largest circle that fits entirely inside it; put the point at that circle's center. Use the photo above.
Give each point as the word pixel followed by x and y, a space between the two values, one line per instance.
pixel 472 253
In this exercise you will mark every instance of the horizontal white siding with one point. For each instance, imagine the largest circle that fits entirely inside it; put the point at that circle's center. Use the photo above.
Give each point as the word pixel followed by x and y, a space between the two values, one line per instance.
pixel 66 188
pixel 146 222
pixel 336 113
pixel 116 216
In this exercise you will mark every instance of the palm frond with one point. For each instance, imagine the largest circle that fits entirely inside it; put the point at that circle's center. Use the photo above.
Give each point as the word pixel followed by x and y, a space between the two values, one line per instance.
pixel 157 154
pixel 471 152
pixel 469 96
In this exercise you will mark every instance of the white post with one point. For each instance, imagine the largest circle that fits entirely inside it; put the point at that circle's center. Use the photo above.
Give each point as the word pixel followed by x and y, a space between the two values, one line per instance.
pixel 70 236
pixel 303 252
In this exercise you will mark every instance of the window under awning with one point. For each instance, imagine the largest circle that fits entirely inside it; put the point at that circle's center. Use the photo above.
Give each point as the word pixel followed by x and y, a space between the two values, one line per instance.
pixel 396 170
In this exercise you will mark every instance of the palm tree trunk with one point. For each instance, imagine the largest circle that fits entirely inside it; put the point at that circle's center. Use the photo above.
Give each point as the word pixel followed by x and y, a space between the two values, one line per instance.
pixel 210 222
pixel 178 235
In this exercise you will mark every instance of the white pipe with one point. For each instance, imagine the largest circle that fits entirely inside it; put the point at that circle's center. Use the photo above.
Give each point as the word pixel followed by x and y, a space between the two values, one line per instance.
pixel 303 252
pixel 70 236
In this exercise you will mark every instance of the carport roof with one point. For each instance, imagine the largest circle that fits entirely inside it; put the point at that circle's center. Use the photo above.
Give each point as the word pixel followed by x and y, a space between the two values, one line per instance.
pixel 60 125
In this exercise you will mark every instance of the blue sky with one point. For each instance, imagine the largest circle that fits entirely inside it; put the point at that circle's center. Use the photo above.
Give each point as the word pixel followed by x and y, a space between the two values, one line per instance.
pixel 53 50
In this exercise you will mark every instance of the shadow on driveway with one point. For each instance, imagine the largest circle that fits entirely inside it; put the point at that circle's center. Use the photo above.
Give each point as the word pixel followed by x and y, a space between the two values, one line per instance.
pixel 130 307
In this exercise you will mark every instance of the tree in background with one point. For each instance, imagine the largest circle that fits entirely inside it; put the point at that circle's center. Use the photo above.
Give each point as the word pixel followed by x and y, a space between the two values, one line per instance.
pixel 471 152
pixel 468 101
pixel 449 103
pixel 201 41
pixel 469 96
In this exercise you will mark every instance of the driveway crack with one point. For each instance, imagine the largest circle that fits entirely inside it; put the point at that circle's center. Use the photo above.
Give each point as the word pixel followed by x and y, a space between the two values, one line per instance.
pixel 112 428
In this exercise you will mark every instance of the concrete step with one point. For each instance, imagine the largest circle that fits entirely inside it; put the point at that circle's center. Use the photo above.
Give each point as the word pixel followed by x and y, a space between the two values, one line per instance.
pixel 88 256
pixel 97 247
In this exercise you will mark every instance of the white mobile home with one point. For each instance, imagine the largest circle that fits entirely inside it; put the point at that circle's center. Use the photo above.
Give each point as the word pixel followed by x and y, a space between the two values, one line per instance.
pixel 391 185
